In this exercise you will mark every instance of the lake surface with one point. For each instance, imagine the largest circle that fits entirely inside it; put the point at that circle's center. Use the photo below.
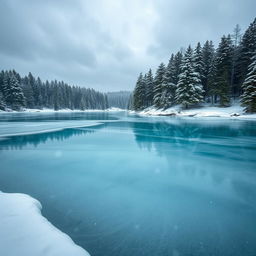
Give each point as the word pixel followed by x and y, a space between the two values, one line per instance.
pixel 139 186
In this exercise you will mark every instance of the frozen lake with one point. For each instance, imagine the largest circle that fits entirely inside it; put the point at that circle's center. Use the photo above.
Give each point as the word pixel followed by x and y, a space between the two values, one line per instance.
pixel 137 186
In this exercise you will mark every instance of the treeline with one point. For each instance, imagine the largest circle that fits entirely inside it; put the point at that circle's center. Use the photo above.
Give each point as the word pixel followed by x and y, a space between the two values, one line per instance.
pixel 18 92
pixel 203 74
pixel 119 99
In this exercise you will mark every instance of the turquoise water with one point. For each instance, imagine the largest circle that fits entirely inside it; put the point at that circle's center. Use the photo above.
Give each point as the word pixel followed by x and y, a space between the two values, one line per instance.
pixel 140 186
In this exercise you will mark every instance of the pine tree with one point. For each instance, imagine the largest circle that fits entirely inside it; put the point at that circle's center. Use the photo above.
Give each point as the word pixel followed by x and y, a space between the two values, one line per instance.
pixel 2 102
pixel 39 94
pixel 28 92
pixel 223 60
pixel 212 82
pixel 189 89
pixel 14 96
pixel 246 50
pixel 236 40
pixel 198 61
pixel 33 87
pixel 177 66
pixel 139 93
pixel 48 95
pixel 158 89
pixel 248 98
pixel 168 85
pixel 56 96
pixel 1 81
pixel 208 53
pixel 149 81
pixel 17 75
pixel 6 82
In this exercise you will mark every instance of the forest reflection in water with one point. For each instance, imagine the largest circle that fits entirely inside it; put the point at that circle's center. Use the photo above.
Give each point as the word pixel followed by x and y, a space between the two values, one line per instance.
pixel 148 135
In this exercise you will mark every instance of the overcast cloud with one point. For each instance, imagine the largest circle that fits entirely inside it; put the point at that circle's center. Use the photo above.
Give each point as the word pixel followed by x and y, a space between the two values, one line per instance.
pixel 105 44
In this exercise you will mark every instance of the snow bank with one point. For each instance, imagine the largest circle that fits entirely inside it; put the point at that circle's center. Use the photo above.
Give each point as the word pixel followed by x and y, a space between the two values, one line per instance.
pixel 25 232
pixel 66 110
pixel 113 109
pixel 235 111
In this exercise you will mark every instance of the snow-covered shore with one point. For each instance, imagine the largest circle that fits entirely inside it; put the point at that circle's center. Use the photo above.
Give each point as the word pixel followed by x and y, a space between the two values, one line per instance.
pixel 25 232
pixel 66 110
pixel 234 111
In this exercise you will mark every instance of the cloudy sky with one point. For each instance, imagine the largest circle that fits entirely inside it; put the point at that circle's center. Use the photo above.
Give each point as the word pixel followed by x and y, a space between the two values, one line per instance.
pixel 104 44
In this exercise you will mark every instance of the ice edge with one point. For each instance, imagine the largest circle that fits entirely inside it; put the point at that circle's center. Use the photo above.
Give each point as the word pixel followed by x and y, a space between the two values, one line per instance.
pixel 25 231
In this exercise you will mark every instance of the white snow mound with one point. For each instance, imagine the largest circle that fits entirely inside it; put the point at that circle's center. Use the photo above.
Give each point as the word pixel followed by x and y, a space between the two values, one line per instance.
pixel 65 110
pixel 25 232
pixel 234 111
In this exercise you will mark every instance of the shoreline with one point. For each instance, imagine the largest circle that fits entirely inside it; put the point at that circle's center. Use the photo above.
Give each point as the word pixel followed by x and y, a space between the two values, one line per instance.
pixel 66 110
pixel 232 112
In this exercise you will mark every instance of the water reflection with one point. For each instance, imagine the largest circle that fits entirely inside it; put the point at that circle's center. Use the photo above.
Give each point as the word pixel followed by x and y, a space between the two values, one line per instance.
pixel 149 133
pixel 205 154
pixel 21 141
pixel 29 117
pixel 195 137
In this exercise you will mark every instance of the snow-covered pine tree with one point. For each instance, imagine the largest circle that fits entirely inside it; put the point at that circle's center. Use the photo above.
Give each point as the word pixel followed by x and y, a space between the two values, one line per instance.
pixel 149 81
pixel 39 94
pixel 158 82
pixel 2 102
pixel 247 49
pixel 83 103
pixel 13 93
pixel 189 89
pixel 212 83
pixel 236 40
pixel 17 75
pixel 28 92
pixel 6 82
pixel 56 96
pixel 224 58
pixel 168 86
pixel 248 98
pixel 33 87
pixel 49 95
pixel 198 61
pixel 144 93
pixel 177 63
pixel 139 93
pixel 208 53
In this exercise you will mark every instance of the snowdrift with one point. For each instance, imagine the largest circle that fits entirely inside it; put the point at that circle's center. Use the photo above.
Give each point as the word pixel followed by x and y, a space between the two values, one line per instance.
pixel 25 232
pixel 235 111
